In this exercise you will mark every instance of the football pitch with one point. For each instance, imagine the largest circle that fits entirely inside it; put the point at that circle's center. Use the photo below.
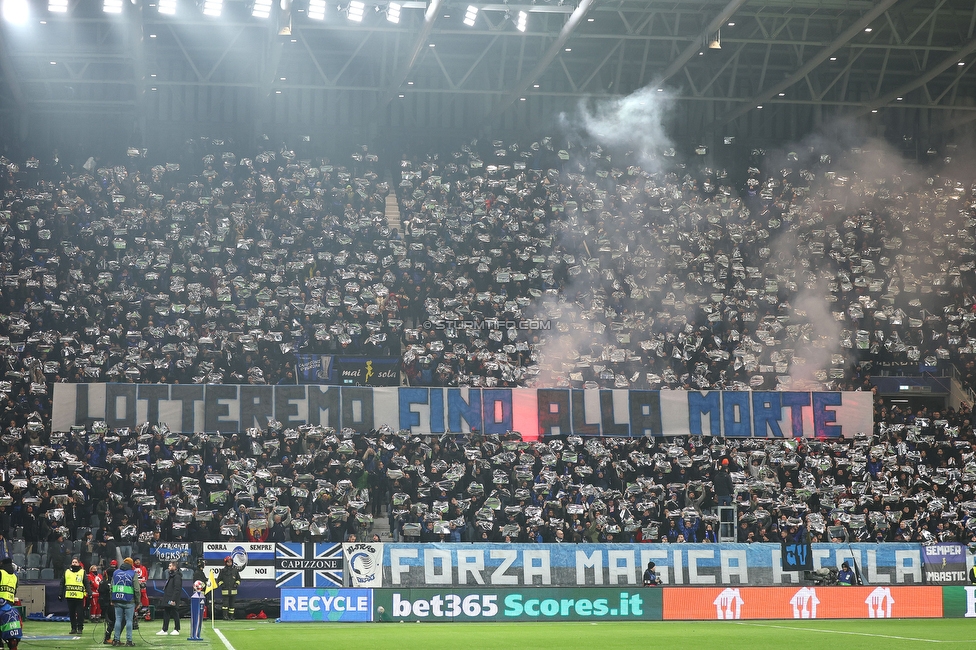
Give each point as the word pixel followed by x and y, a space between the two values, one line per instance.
pixel 751 635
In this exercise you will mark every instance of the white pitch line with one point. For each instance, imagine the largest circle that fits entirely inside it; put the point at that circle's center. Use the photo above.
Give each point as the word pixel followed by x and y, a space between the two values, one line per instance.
pixel 880 636
pixel 221 636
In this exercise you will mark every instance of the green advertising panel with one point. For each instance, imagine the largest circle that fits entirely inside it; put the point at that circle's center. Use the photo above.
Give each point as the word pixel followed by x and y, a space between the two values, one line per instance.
pixel 959 602
pixel 527 604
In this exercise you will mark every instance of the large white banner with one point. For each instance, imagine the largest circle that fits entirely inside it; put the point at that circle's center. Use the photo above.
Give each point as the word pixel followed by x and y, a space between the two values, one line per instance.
pixel 532 412
pixel 364 563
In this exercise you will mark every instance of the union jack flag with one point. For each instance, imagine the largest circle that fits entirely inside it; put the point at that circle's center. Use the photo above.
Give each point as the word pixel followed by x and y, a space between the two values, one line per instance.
pixel 311 564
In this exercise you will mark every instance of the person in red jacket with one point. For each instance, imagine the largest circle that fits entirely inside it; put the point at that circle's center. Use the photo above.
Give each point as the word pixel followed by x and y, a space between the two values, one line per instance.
pixel 143 580
pixel 95 579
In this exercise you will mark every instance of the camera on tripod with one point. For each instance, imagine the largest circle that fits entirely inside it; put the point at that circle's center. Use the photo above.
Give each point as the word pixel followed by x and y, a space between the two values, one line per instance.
pixel 822 577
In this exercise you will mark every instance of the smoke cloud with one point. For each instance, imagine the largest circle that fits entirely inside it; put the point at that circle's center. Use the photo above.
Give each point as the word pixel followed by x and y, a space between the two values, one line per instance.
pixel 636 122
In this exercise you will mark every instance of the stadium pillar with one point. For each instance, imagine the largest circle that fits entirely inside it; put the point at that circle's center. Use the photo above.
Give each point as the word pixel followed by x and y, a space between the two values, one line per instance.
pixel 13 82
pixel 137 47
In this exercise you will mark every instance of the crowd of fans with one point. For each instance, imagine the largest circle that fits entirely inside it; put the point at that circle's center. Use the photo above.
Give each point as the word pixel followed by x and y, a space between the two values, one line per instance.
pixel 808 275
pixel 909 480
pixel 601 272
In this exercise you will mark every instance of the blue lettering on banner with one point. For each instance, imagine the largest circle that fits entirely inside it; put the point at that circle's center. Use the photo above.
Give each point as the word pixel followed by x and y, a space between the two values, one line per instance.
pixel 424 411
pixel 340 605
pixel 796 402
pixel 578 565
pixel 767 411
pixel 823 417
pixel 700 404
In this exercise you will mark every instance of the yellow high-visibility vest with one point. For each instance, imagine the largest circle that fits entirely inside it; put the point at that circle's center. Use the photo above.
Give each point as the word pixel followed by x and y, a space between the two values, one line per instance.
pixel 74 584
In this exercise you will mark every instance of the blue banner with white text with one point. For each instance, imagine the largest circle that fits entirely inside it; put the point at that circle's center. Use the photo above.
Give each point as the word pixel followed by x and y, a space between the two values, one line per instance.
pixel 570 565
pixel 338 605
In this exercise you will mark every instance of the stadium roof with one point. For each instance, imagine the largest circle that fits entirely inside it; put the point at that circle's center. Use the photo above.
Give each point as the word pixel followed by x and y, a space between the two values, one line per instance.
pixel 802 62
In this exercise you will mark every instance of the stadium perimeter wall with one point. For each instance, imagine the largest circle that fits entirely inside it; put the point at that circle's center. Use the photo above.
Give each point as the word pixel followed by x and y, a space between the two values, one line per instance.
pixel 625 604
pixel 529 582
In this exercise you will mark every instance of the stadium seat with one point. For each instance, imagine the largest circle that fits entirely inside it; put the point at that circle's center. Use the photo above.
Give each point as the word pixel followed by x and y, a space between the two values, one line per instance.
pixel 20 559
pixel 34 561
pixel 32 574
pixel 20 546
pixel 47 574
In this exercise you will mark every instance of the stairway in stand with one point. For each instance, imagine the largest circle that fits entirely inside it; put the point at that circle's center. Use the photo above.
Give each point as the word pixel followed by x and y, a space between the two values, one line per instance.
pixel 393 212
pixel 381 527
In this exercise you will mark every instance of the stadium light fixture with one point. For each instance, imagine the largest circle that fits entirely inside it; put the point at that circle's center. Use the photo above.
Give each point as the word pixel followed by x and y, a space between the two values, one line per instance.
pixel 316 9
pixel 112 6
pixel 57 6
pixel 522 22
pixel 213 8
pixel 393 12
pixel 356 11
pixel 261 9
pixel 166 7
pixel 470 15
pixel 16 12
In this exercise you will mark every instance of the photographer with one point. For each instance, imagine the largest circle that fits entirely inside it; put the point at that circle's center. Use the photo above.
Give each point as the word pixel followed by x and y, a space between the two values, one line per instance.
pixel 105 601
pixel 650 576
pixel 846 577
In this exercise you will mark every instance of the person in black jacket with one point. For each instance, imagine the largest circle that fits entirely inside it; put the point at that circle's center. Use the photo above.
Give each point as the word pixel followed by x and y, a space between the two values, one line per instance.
pixel 198 573
pixel 723 484
pixel 172 593
pixel 105 602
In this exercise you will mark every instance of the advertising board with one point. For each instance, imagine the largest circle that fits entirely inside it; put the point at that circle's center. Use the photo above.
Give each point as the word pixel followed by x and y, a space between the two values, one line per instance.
pixel 527 604
pixel 324 605
pixel 806 602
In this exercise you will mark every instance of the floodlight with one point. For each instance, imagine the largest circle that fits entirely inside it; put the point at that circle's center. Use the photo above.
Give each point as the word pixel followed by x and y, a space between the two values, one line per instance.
pixel 393 12
pixel 112 6
pixel 316 9
pixel 522 22
pixel 356 11
pixel 16 11
pixel 57 6
pixel 167 7
pixel 213 7
pixel 470 15
pixel 261 9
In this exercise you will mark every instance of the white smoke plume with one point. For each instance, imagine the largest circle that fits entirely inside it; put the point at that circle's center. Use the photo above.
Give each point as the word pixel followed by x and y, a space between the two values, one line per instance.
pixel 636 122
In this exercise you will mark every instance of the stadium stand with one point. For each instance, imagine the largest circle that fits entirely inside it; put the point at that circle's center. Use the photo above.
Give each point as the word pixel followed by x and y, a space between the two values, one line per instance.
pixel 808 273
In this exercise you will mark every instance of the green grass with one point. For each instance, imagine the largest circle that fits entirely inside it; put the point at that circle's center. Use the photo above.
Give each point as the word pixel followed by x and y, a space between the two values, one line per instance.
pixel 717 635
